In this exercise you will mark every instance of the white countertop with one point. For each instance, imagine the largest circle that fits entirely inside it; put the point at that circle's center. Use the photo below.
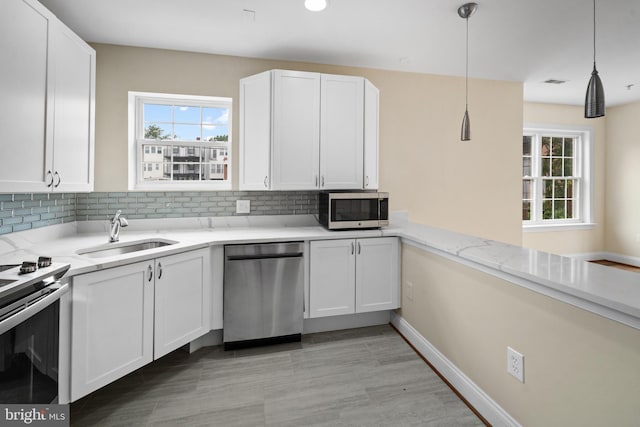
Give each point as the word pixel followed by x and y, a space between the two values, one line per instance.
pixel 609 292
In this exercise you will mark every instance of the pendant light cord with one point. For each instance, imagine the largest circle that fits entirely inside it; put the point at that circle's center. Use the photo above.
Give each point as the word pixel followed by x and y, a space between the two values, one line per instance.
pixel 466 71
pixel 594 33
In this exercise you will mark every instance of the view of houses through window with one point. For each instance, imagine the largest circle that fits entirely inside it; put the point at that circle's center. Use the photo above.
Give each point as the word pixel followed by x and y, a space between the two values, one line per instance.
pixel 182 139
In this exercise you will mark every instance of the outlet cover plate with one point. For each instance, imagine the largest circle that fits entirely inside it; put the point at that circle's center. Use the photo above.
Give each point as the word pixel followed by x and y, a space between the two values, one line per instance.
pixel 243 206
pixel 515 364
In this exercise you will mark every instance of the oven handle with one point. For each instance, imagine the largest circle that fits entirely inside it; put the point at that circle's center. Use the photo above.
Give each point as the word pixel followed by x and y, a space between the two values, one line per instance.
pixel 10 322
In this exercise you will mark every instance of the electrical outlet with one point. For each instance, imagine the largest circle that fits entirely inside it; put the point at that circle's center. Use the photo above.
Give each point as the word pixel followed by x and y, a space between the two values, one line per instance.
pixel 637 237
pixel 243 206
pixel 409 291
pixel 515 364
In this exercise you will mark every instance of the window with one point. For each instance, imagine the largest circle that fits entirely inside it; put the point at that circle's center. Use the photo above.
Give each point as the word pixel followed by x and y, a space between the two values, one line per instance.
pixel 556 177
pixel 187 138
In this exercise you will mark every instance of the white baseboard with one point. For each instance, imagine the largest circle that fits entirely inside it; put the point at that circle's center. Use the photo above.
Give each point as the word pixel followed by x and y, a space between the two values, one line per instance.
pixel 482 402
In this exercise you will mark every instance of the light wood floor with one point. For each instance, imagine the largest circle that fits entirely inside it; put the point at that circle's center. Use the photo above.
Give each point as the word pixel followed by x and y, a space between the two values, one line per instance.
pixel 617 265
pixel 359 377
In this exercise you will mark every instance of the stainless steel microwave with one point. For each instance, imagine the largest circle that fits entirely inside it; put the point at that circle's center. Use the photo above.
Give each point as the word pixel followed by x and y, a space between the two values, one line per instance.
pixel 351 210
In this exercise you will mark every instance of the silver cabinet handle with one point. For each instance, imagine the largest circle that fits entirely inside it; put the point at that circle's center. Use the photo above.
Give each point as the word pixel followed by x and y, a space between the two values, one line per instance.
pixel 265 182
pixel 150 272
pixel 352 248
pixel 59 180
pixel 323 181
pixel 359 248
pixel 366 181
pixel 159 270
pixel 50 175
pixel 316 181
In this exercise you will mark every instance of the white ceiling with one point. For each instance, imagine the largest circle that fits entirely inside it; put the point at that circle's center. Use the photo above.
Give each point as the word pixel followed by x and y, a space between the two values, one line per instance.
pixel 529 41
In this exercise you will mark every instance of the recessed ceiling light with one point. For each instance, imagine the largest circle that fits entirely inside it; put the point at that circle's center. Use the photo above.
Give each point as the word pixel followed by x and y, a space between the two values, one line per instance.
pixel 555 81
pixel 315 5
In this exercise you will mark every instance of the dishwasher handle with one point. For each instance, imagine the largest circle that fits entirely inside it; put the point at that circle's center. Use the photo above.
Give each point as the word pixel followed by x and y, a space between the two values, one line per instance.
pixel 264 256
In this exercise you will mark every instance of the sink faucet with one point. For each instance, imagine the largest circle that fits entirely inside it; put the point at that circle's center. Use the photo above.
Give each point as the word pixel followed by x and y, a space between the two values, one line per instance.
pixel 116 222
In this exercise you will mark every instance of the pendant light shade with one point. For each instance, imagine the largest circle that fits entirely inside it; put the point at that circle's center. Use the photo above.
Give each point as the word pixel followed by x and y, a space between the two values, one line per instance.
pixel 594 99
pixel 465 11
pixel 465 132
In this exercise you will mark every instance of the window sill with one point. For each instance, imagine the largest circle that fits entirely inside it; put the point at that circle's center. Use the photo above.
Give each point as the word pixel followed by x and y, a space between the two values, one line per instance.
pixel 536 228
pixel 204 186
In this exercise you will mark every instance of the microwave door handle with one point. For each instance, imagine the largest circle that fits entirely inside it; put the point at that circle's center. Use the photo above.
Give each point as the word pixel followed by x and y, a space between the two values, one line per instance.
pixel 22 315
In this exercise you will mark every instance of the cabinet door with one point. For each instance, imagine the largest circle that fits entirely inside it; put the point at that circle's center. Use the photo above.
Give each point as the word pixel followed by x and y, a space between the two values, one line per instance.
pixel 112 325
pixel 182 300
pixel 296 133
pixel 377 274
pixel 332 277
pixel 24 41
pixel 341 132
pixel 371 117
pixel 73 111
pixel 255 132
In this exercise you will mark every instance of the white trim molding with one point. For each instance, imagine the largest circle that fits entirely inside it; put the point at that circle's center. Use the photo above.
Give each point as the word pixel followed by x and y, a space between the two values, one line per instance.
pixel 480 400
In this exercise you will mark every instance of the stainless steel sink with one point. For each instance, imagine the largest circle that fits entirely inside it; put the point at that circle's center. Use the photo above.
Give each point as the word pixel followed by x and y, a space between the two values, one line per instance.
pixel 115 249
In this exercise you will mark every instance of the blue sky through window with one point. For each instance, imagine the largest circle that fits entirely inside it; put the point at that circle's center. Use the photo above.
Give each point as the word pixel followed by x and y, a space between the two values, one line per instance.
pixel 187 123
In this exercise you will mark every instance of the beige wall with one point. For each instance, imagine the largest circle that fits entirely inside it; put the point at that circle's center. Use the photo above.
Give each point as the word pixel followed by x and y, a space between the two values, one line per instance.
pixel 623 180
pixel 574 241
pixel 469 187
pixel 580 368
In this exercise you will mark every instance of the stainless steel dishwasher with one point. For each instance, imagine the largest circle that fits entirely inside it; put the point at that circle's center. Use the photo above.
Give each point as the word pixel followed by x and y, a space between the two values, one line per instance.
pixel 263 294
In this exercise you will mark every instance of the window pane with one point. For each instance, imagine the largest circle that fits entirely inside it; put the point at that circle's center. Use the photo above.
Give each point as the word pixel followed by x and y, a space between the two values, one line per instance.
pixel 526 145
pixel 526 166
pixel 526 210
pixel 548 189
pixel 556 145
pixel 559 189
pixel 215 133
pixel 558 209
pixel 215 116
pixel 545 147
pixel 157 131
pixel 546 210
pixel 546 166
pixel 184 114
pixel 186 132
pixel 568 147
pixel 154 113
pixel 569 208
pixel 526 189
pixel 568 167
pixel 570 188
pixel 556 167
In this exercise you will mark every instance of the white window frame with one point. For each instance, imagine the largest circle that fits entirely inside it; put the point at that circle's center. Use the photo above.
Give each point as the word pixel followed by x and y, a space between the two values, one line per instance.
pixel 584 197
pixel 136 140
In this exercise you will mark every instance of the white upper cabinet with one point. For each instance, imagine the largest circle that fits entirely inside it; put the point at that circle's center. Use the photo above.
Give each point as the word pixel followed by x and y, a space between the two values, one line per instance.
pixel 341 132
pixel 303 131
pixel 296 139
pixel 47 105
pixel 371 123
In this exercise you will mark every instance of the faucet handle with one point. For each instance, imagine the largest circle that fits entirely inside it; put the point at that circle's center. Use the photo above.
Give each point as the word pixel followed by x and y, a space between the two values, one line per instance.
pixel 123 221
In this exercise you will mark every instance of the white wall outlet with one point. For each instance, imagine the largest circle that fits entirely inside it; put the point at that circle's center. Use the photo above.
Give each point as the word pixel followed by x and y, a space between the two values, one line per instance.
pixel 409 291
pixel 515 364
pixel 637 237
pixel 243 206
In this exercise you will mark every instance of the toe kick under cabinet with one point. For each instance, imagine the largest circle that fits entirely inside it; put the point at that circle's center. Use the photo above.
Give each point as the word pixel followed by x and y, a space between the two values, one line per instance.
pixel 125 317
pixel 354 276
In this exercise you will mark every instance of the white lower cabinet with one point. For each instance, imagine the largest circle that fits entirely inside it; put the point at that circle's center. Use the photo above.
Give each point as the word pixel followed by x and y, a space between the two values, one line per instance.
pixel 353 276
pixel 114 312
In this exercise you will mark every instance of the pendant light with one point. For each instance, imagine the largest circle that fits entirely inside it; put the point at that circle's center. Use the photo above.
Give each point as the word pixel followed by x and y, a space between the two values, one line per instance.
pixel 465 11
pixel 594 99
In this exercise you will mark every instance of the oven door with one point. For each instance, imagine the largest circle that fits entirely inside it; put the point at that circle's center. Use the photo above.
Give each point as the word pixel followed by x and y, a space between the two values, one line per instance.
pixel 357 210
pixel 29 344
